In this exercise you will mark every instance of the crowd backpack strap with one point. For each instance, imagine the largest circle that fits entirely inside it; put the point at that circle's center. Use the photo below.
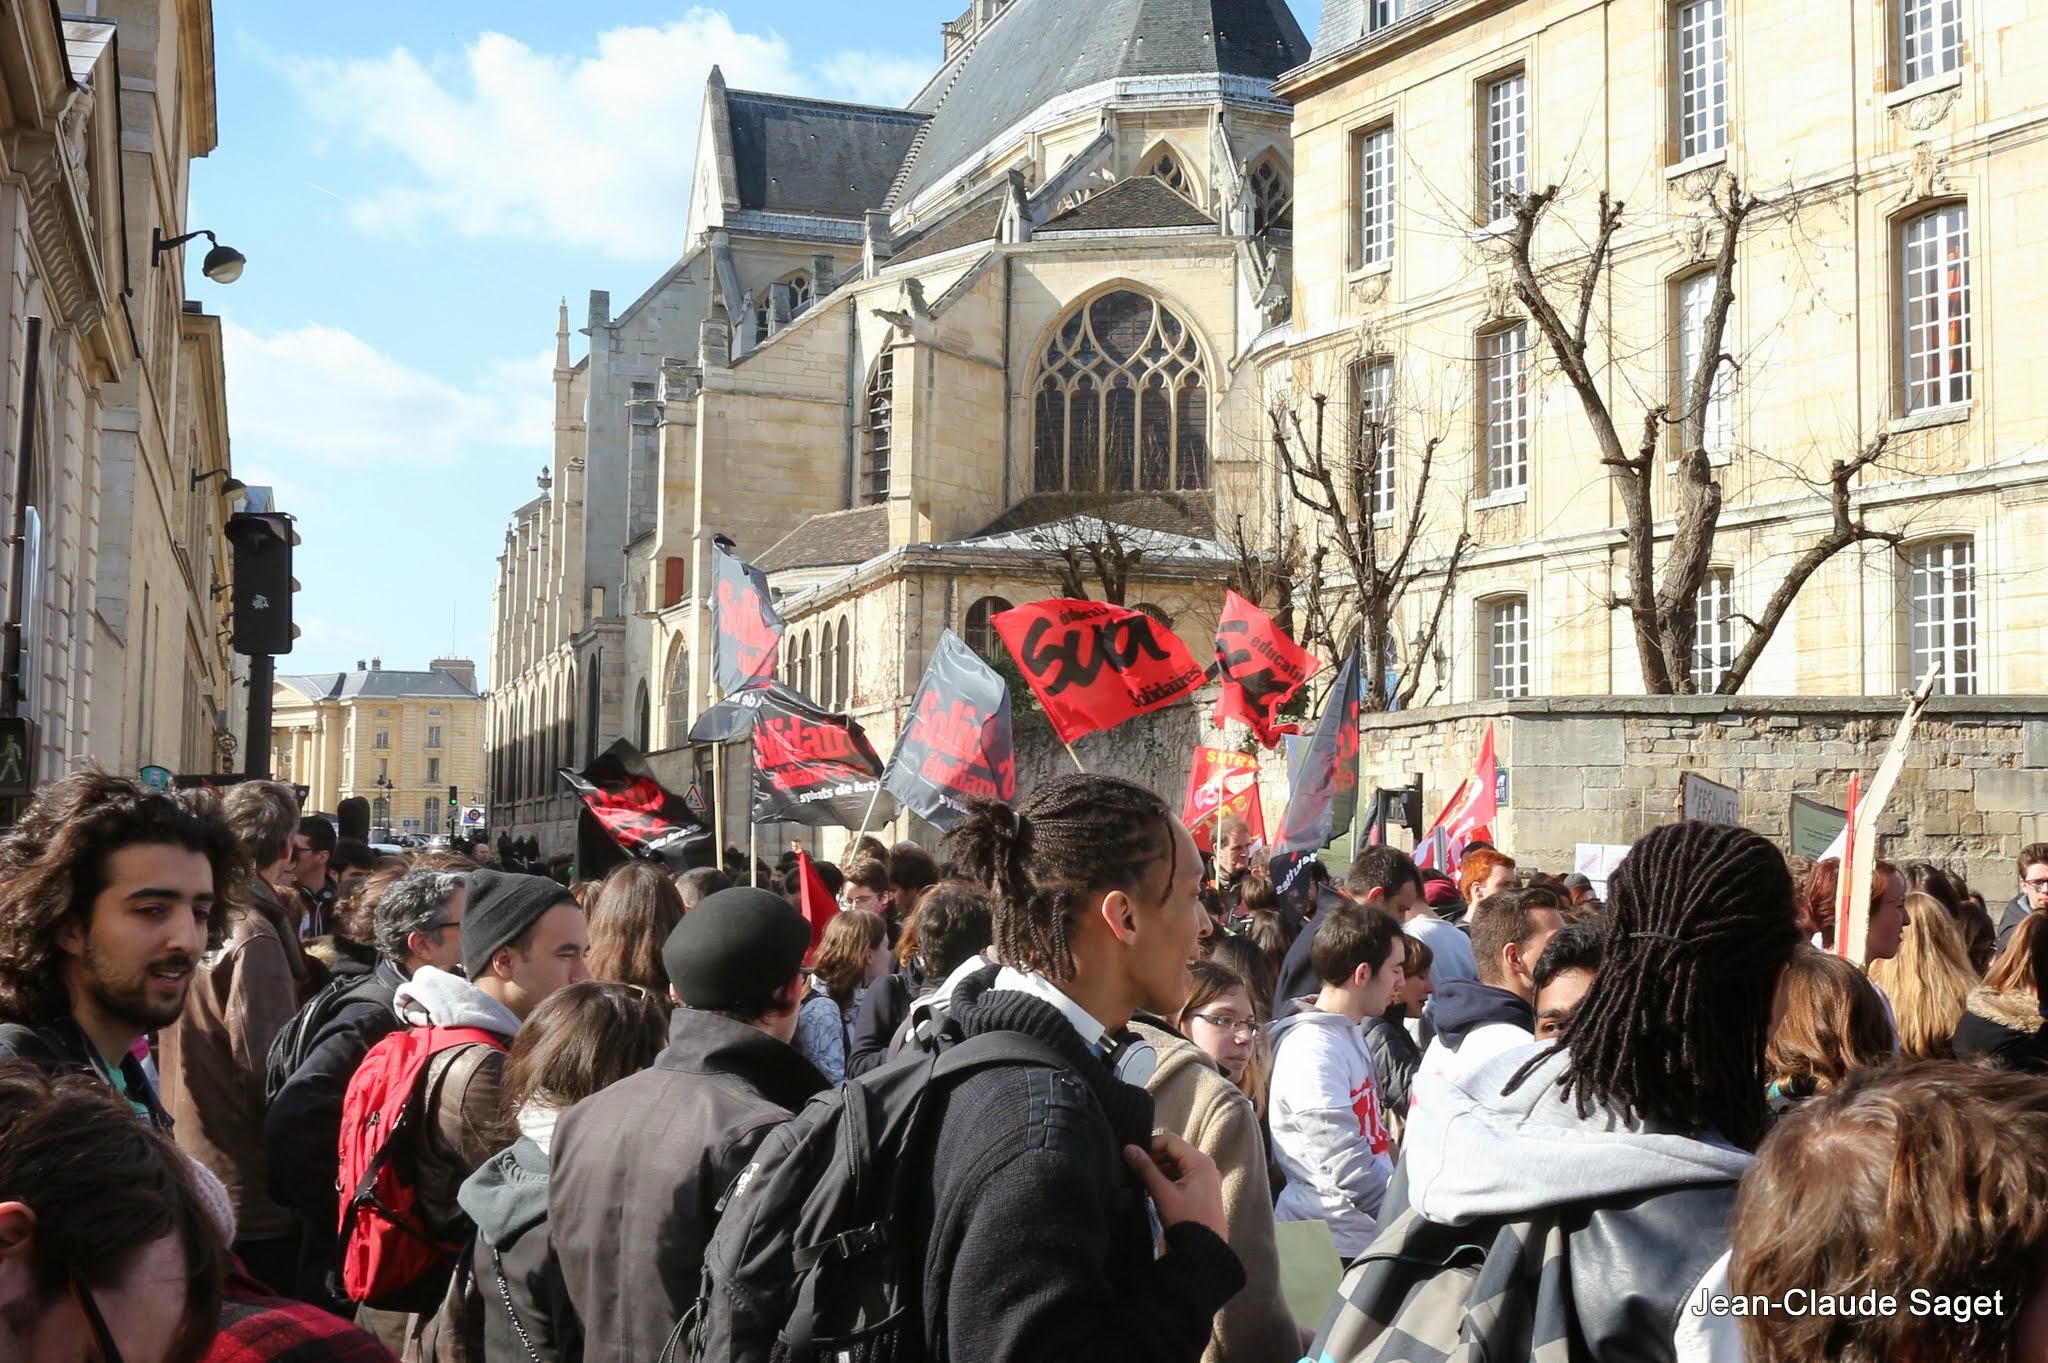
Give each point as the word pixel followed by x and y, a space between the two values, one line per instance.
pixel 390 1259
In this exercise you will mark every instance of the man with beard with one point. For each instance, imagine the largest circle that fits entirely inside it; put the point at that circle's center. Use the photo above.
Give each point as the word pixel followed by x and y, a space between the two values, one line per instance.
pixel 108 895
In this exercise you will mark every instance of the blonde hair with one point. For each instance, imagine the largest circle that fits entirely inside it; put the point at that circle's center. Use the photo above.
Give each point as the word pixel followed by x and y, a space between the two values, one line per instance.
pixel 1928 980
pixel 2013 971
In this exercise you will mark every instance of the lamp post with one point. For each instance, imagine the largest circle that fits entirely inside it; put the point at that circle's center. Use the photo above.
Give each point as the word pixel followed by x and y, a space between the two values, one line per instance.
pixel 384 788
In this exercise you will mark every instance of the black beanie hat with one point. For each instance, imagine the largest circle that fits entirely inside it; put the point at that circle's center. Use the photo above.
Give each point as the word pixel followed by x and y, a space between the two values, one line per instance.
pixel 735 948
pixel 503 904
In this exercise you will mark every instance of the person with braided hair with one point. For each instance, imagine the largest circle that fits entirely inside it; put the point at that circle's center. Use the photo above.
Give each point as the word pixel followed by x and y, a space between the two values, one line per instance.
pixel 1061 1226
pixel 1601 1169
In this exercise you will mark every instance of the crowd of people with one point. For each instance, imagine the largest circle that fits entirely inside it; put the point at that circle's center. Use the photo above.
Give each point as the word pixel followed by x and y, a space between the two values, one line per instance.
pixel 265 1095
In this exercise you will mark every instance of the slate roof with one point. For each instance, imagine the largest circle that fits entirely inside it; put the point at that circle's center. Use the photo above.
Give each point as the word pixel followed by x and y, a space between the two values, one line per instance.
pixel 836 539
pixel 1158 545
pixel 1190 514
pixel 1037 50
pixel 1141 201
pixel 379 685
pixel 975 223
pixel 813 156
pixel 1343 22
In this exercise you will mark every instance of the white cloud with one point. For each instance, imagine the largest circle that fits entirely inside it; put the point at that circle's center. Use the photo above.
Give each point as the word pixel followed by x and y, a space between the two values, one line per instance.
pixel 325 395
pixel 588 150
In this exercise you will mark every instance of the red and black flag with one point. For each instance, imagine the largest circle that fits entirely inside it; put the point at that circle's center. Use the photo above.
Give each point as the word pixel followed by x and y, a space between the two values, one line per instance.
pixel 1325 794
pixel 811 766
pixel 1260 668
pixel 1095 665
pixel 640 815
pixel 743 622
pixel 957 745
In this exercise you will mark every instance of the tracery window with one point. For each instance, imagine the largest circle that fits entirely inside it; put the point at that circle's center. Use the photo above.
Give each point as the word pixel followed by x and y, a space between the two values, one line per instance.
pixel 1121 402
pixel 1164 166
pixel 874 473
pixel 1272 196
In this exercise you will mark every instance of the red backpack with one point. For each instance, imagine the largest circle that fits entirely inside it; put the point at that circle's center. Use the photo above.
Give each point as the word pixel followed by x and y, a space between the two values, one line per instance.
pixel 390 1260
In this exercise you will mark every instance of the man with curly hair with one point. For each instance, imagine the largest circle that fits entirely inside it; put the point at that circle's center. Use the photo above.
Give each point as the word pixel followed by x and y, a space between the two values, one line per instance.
pixel 109 894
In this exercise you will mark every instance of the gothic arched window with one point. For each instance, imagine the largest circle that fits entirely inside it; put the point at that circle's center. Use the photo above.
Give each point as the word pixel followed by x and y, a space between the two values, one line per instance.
pixel 1163 165
pixel 1272 196
pixel 981 635
pixel 1121 403
pixel 677 703
pixel 844 650
pixel 881 408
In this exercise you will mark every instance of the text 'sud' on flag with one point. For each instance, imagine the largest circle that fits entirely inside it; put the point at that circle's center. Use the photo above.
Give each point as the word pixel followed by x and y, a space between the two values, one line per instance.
pixel 1261 669
pixel 811 766
pixel 1325 794
pixel 957 745
pixel 743 622
pixel 1222 785
pixel 1094 665
pixel 636 811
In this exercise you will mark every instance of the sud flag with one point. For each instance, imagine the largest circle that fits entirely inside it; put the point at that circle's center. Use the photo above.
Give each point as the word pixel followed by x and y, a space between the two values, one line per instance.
pixel 957 745
pixel 743 622
pixel 1094 665
pixel 1325 794
pixel 638 814
pixel 1467 816
pixel 1222 785
pixel 1260 668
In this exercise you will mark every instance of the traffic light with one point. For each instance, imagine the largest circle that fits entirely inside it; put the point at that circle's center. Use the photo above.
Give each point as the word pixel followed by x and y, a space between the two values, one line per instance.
pixel 263 582
pixel 453 800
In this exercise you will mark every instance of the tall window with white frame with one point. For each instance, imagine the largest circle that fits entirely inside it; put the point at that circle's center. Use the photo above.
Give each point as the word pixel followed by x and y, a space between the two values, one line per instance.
pixel 1695 302
pixel 1941 595
pixel 1701 89
pixel 1376 196
pixel 1713 633
pixel 1505 403
pixel 1504 146
pixel 1372 398
pixel 1935 289
pixel 1507 637
pixel 1930 39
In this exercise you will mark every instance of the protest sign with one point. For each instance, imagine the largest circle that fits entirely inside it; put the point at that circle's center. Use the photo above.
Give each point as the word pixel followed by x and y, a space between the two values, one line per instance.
pixel 1222 785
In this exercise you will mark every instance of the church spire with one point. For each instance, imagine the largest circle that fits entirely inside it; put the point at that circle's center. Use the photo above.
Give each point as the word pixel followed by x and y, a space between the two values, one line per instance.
pixel 562 337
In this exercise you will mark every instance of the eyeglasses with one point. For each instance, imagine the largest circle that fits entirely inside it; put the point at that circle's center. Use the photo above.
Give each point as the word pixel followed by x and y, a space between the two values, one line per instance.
pixel 102 1337
pixel 2037 886
pixel 1237 1027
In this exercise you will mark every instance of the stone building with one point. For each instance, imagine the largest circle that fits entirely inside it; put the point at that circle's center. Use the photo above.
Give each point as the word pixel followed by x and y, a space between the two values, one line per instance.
pixel 114 394
pixel 1882 290
pixel 905 356
pixel 396 739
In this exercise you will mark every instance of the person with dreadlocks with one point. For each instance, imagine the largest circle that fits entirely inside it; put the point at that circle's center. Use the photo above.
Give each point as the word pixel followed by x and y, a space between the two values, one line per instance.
pixel 1601 1175
pixel 1061 1226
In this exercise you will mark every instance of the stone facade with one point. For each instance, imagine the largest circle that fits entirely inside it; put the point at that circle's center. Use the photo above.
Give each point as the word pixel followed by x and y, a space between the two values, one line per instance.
pixel 397 739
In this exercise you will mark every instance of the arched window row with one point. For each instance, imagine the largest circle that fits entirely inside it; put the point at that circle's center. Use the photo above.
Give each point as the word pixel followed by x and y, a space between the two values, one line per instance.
pixel 821 653
pixel 978 632
pixel 1121 401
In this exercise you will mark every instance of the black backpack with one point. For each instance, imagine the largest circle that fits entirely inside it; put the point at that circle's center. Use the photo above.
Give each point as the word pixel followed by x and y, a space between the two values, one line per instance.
pixel 288 1049
pixel 817 1255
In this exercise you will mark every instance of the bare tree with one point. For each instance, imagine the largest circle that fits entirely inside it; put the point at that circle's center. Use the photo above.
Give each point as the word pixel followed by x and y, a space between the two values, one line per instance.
pixel 1342 490
pixel 1663 603
pixel 1286 577
pixel 1089 550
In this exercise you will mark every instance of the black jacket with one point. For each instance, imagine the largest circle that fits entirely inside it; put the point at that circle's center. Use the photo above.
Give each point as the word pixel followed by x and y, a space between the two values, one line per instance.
pixel 61 1046
pixel 882 1010
pixel 1463 1006
pixel 517 1274
pixel 2003 1028
pixel 1395 1057
pixel 302 1130
pixel 2009 922
pixel 638 1170
pixel 1297 971
pixel 1040 1243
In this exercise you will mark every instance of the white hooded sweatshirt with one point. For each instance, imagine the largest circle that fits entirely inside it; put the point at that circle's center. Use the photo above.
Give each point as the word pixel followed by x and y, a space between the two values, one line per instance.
pixel 1329 1133
pixel 437 998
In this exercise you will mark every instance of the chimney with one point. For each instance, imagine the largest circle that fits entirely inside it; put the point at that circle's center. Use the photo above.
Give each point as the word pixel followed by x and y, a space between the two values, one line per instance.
pixel 376 664
pixel 462 669
pixel 362 666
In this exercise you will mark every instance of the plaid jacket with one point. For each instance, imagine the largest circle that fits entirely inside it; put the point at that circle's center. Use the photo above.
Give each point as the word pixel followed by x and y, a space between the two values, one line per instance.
pixel 1566 1284
pixel 256 1327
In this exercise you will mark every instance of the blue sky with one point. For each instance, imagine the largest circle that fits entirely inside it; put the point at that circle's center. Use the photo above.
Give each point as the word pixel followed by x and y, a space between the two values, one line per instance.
pixel 416 186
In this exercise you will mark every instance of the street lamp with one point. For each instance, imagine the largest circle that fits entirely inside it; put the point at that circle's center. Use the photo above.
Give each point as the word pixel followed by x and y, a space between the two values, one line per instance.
pixel 384 788
pixel 228 488
pixel 223 264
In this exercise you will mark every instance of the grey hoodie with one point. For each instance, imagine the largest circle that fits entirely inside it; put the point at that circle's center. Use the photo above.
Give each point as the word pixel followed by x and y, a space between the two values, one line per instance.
pixel 1330 1134
pixel 436 998
pixel 1472 1151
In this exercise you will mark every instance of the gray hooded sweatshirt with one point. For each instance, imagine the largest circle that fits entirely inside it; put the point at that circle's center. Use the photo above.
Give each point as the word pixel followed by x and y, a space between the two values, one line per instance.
pixel 1472 1151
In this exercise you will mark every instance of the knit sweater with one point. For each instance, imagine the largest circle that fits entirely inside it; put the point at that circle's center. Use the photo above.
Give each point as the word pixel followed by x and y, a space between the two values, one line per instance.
pixel 1040 1244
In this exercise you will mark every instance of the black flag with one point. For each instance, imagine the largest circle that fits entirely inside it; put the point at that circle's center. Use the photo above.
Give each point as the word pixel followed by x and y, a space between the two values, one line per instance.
pixel 957 744
pixel 810 766
pixel 639 815
pixel 744 624
pixel 1325 793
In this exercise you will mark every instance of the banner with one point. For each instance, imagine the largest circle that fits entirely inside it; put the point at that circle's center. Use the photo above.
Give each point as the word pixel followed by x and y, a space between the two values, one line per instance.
pixel 1222 785
pixel 1467 816
pixel 957 745
pixel 817 904
pixel 1261 670
pixel 744 625
pixel 1324 799
pixel 637 812
pixel 1094 665
pixel 811 766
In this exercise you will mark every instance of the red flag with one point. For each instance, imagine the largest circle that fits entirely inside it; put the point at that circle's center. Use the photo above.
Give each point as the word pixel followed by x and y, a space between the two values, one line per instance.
pixel 1467 816
pixel 1094 665
pixel 1222 785
pixel 819 906
pixel 1261 669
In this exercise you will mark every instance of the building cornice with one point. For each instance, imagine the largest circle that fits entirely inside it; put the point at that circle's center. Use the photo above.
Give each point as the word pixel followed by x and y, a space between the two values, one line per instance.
pixel 1397 39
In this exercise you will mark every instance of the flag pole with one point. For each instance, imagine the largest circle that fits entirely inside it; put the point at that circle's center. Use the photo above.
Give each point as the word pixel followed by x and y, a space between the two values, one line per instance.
pixel 1076 756
pixel 753 853
pixel 868 817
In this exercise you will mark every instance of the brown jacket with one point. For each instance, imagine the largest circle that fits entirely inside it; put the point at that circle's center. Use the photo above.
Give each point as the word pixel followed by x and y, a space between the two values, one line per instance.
pixel 1191 1098
pixel 211 1061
